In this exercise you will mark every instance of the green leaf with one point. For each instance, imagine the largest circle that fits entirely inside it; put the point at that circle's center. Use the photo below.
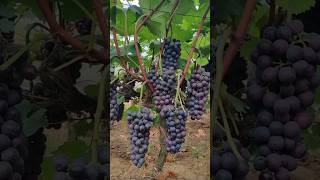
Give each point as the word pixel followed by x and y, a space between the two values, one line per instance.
pixel 47 168
pixel 228 9
pixel 33 5
pixel 6 12
pixel 72 11
pixel 311 137
pixel 247 48
pixel 6 26
pixel 73 149
pixel 157 119
pixel 296 6
pixel 82 127
pixel 259 18
pixel 202 61
pixel 120 20
pixel 120 99
pixel 147 4
pixel 156 28
pixel 181 34
pixel 146 35
pixel 92 90
pixel 33 117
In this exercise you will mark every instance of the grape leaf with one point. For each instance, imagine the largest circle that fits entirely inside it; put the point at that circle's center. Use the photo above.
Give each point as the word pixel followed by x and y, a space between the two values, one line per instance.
pixel 71 11
pixel 247 48
pixel 73 149
pixel 82 127
pixel 32 4
pixel 202 61
pixel 296 6
pixel 92 90
pixel 32 116
pixel 6 12
pixel 227 10
pixel 47 168
pixel 120 20
pixel 6 26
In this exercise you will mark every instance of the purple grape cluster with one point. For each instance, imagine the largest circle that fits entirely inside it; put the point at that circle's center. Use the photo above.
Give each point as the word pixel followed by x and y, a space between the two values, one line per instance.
pixel 80 169
pixel 176 127
pixel 224 165
pixel 114 106
pixel 139 124
pixel 164 89
pixel 198 91
pixel 153 76
pixel 171 54
pixel 281 92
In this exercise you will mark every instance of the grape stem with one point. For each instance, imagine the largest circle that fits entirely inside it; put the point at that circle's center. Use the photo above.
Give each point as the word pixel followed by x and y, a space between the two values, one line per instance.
pixel 218 79
pixel 141 95
pixel 228 131
pixel 173 12
pixel 98 114
pixel 177 91
pixel 194 42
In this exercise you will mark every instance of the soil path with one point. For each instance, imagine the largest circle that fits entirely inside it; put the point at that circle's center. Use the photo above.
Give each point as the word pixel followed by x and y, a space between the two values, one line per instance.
pixel 192 163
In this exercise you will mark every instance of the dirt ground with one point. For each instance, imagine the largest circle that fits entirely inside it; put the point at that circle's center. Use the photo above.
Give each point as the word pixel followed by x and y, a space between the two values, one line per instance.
pixel 192 163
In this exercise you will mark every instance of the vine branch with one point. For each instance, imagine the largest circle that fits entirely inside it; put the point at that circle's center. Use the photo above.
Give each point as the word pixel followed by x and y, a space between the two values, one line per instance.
pixel 185 71
pixel 238 34
pixel 102 20
pixel 122 61
pixel 139 24
pixel 67 37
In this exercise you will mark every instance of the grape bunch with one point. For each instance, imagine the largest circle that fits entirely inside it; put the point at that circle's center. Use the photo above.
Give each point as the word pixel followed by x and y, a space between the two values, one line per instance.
pixel 14 144
pixel 224 165
pixel 139 124
pixel 114 106
pixel 171 53
pixel 176 127
pixel 163 92
pixel 198 91
pixel 281 92
pixel 80 169
pixel 153 76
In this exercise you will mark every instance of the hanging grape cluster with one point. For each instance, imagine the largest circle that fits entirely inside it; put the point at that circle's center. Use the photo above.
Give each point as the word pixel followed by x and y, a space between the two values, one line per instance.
pixel 165 84
pixel 14 144
pixel 198 91
pixel 226 166
pixel 153 76
pixel 114 106
pixel 176 127
pixel 283 89
pixel 81 169
pixel 139 124
pixel 171 54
